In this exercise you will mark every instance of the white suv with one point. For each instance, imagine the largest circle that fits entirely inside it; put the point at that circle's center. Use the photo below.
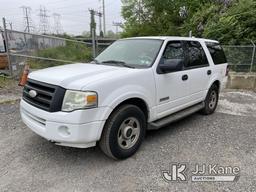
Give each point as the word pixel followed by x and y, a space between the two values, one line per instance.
pixel 134 85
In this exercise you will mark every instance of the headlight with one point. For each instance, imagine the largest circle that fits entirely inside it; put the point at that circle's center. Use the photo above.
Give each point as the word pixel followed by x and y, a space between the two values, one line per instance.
pixel 74 100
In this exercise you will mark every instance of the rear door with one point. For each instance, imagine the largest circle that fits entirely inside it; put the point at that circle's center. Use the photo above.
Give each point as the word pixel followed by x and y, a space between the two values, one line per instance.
pixel 198 70
pixel 218 59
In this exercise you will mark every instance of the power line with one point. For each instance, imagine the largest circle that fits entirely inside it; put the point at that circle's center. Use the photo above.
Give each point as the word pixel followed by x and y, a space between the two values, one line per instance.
pixel 71 6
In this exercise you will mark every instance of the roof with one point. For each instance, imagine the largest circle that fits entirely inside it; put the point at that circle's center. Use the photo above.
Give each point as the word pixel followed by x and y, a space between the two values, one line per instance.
pixel 173 38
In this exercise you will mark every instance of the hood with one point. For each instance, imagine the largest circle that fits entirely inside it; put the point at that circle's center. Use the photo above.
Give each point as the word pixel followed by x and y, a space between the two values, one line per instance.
pixel 77 76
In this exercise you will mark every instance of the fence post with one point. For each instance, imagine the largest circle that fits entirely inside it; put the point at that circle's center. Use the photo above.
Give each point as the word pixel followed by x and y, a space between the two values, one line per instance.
pixel 253 55
pixel 93 44
pixel 6 43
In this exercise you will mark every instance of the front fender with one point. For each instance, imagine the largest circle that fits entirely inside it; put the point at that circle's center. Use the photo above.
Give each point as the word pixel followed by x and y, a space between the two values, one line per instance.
pixel 124 93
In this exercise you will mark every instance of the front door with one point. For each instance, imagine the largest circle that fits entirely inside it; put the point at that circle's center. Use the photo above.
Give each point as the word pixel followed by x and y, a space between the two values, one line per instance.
pixel 172 88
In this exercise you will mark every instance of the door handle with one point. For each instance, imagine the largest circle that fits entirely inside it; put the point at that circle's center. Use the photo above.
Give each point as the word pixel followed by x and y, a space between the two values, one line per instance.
pixel 184 77
pixel 209 72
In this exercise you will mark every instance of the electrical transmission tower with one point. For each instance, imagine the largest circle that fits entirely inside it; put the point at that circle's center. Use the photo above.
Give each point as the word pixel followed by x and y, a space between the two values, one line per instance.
pixel 28 23
pixel 44 22
pixel 57 24
pixel 117 25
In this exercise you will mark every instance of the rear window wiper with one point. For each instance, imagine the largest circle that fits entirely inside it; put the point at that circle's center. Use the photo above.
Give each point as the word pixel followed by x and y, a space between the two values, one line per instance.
pixel 118 63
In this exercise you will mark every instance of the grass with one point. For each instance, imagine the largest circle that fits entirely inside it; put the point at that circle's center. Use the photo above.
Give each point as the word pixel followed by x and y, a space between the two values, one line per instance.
pixel 6 82
pixel 74 52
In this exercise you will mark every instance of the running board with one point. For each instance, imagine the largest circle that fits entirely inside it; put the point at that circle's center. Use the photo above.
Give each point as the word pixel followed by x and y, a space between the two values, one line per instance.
pixel 175 117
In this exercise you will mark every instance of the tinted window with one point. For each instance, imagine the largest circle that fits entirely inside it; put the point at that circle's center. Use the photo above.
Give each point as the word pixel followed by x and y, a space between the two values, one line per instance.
pixel 217 53
pixel 196 55
pixel 174 50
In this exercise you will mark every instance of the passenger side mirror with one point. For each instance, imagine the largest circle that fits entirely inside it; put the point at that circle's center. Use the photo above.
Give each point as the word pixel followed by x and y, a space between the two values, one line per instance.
pixel 171 65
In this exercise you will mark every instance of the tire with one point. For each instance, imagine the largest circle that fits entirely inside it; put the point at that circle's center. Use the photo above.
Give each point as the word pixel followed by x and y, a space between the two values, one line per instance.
pixel 211 100
pixel 123 132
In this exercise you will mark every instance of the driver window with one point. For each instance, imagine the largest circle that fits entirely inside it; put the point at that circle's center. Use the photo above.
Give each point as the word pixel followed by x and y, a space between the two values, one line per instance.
pixel 174 50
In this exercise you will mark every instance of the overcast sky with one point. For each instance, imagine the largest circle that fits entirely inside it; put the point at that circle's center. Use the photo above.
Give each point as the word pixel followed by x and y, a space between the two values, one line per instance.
pixel 75 17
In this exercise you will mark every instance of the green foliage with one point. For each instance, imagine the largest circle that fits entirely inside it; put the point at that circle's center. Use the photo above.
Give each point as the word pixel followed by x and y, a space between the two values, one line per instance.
pixel 74 52
pixel 229 21
pixel 6 82
pixel 237 25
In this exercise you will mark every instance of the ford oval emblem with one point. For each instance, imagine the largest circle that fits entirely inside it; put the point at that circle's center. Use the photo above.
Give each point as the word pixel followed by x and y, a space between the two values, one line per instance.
pixel 32 93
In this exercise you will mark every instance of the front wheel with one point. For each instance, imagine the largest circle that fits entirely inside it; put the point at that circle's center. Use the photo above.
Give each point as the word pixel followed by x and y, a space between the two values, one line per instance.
pixel 211 100
pixel 123 132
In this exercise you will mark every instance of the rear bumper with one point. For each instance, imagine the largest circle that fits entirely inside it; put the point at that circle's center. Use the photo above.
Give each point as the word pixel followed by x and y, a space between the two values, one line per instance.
pixel 62 128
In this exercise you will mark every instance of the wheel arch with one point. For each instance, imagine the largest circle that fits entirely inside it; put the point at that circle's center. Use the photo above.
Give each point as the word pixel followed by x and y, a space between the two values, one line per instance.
pixel 217 83
pixel 137 101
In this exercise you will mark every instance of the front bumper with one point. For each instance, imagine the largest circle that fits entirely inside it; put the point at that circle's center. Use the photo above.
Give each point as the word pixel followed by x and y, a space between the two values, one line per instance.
pixel 80 128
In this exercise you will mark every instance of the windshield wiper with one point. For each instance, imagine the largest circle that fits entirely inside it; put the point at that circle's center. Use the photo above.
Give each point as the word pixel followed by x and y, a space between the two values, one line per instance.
pixel 95 61
pixel 122 63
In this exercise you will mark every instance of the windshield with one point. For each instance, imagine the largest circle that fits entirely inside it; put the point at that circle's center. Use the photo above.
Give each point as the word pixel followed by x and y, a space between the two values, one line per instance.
pixel 138 53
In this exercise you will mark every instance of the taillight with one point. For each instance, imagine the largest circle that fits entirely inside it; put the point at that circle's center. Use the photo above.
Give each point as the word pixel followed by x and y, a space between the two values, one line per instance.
pixel 227 70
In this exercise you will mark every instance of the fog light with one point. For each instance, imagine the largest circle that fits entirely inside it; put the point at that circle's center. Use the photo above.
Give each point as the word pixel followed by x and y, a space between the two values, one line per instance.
pixel 64 131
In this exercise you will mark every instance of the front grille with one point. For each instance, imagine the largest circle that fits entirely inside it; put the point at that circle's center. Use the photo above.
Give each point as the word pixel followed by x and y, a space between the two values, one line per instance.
pixel 49 97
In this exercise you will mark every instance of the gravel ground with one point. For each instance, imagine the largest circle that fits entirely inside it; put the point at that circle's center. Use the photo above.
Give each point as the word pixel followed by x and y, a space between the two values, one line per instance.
pixel 30 163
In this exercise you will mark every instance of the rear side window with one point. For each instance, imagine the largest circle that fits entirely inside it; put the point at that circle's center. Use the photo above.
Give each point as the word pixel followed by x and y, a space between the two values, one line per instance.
pixel 196 55
pixel 217 53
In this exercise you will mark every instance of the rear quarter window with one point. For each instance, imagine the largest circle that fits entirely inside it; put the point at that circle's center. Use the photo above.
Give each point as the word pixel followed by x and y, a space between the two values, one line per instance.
pixel 217 53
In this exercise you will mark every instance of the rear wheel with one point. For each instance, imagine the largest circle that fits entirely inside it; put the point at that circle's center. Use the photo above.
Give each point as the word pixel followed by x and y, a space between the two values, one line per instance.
pixel 211 100
pixel 123 132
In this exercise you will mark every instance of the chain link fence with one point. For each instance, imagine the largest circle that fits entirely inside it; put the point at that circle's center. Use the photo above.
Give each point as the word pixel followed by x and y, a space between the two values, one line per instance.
pixel 241 58
pixel 41 51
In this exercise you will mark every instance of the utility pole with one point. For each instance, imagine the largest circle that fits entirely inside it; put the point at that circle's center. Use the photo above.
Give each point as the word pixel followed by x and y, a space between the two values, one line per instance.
pixel 27 19
pixel 99 14
pixel 104 16
pixel 93 31
pixel 117 25
pixel 44 23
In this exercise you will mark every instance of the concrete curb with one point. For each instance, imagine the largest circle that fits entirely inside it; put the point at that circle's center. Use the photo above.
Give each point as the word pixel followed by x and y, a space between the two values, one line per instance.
pixel 241 81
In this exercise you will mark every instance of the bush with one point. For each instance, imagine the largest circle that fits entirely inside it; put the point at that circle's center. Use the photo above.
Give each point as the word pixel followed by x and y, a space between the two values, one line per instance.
pixel 73 52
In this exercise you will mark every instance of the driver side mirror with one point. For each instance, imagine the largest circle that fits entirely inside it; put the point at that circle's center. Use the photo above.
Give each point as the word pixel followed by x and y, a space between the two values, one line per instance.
pixel 170 65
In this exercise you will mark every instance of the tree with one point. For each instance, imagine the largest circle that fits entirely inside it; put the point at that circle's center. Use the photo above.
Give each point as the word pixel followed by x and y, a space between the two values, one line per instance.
pixel 230 21
pixel 151 17
pixel 237 25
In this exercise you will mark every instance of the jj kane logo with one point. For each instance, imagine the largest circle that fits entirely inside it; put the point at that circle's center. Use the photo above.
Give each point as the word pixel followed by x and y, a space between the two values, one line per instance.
pixel 201 173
